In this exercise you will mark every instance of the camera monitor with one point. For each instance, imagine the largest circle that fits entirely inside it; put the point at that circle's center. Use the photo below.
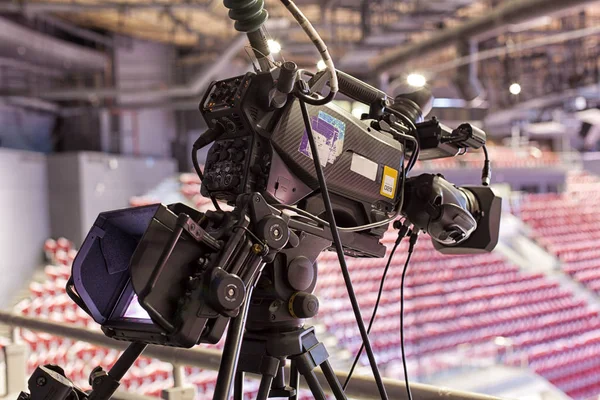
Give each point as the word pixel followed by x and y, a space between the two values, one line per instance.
pixel 131 273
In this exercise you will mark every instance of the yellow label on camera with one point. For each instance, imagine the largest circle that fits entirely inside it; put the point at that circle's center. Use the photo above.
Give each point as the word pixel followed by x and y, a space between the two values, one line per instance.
pixel 388 182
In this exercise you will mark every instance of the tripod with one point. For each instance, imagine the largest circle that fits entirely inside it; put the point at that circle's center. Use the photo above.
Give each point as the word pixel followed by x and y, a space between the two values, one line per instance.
pixel 265 352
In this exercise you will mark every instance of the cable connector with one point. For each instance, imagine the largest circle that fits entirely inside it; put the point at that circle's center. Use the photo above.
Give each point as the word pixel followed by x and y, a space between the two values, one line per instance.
pixel 209 136
pixel 403 230
pixel 413 241
pixel 486 173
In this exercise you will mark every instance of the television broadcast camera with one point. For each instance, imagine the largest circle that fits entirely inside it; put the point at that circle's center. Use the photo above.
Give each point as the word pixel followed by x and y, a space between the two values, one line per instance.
pixel 303 176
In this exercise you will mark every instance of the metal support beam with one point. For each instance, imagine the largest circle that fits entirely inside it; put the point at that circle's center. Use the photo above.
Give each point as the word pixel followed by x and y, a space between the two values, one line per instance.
pixel 66 7
pixel 508 13
pixel 74 30
pixel 178 22
pixel 191 89
pixel 362 387
pixel 39 48
pixel 542 41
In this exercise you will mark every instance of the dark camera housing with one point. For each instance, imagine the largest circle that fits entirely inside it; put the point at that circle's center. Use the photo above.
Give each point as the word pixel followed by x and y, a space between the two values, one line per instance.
pixel 147 255
pixel 485 237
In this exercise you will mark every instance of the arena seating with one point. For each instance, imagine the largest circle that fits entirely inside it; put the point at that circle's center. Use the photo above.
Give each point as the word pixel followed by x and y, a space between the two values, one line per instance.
pixel 566 225
pixel 451 302
pixel 482 297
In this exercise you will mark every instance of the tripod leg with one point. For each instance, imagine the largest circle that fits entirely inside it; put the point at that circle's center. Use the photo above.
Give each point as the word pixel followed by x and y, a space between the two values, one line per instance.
pixel 231 351
pixel 264 388
pixel 269 368
pixel 238 388
pixel 105 384
pixel 333 381
pixel 294 379
pixel 314 385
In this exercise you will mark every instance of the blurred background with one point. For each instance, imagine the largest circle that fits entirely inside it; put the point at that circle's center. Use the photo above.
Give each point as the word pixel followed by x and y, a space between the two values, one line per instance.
pixel 99 110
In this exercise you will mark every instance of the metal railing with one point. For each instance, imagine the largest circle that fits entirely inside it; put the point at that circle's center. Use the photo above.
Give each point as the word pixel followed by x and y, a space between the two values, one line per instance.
pixel 361 387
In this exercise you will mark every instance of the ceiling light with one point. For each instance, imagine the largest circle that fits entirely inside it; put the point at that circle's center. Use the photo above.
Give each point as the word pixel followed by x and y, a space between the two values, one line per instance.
pixel 321 65
pixel 274 46
pixel 416 80
pixel 515 89
pixel 580 103
pixel 359 109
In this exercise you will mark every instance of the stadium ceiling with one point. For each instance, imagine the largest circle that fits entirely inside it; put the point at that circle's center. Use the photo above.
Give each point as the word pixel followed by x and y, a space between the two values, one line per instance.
pixel 379 23
pixel 440 38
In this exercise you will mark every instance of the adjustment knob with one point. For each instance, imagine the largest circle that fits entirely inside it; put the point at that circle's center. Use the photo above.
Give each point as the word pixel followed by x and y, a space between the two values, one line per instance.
pixel 274 231
pixel 303 305
pixel 227 291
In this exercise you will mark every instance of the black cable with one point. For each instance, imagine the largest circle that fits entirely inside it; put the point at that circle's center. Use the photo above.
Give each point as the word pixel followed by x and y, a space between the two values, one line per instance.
pixel 201 176
pixel 401 235
pixel 411 247
pixel 486 173
pixel 412 128
pixel 316 102
pixel 340 252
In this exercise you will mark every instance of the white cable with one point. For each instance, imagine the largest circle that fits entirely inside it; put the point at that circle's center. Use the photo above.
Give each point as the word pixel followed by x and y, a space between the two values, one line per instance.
pixel 314 36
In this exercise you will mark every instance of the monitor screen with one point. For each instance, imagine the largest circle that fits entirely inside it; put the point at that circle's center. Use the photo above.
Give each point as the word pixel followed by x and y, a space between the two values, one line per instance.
pixel 135 311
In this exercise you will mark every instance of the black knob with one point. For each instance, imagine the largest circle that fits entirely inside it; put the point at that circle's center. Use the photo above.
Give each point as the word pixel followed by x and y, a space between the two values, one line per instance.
pixel 223 155
pixel 274 231
pixel 303 305
pixel 287 77
pixel 227 291
pixel 239 156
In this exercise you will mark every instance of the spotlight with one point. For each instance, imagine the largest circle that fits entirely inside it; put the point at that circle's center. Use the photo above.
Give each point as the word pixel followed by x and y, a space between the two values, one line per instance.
pixel 358 109
pixel 515 89
pixel 274 46
pixel 321 65
pixel 416 80
pixel 580 103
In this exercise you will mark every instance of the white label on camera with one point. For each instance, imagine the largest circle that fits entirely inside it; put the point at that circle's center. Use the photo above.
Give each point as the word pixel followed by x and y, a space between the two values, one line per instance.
pixel 364 166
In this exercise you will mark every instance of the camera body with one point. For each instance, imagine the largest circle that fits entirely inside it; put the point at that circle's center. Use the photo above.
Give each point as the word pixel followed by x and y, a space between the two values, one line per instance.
pixel 261 148
pixel 171 275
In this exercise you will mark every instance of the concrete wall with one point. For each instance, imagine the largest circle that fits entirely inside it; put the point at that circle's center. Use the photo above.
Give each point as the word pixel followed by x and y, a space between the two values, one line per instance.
pixel 146 131
pixel 85 184
pixel 24 217
pixel 25 129
pixel 591 162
